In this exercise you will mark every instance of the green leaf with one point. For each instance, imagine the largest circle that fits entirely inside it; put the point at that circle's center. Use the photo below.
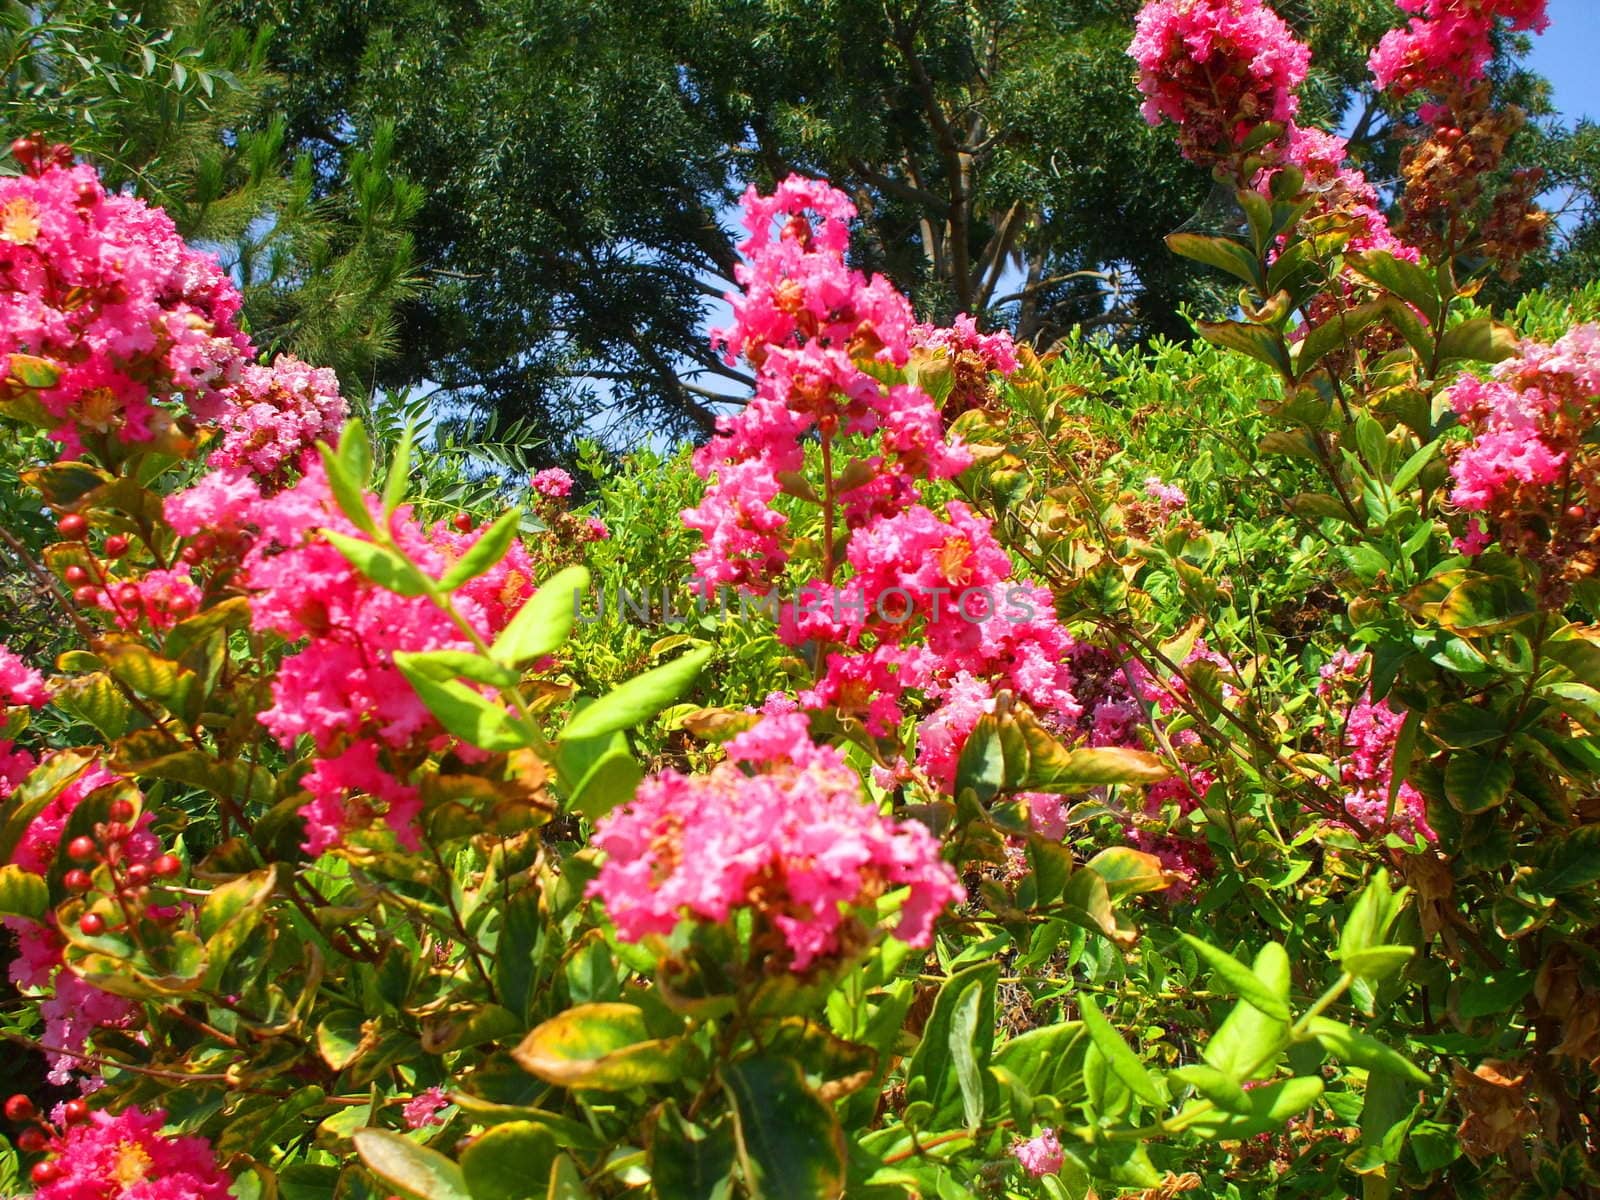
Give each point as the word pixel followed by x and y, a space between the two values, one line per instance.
pixel 1371 916
pixel 1128 872
pixel 1084 770
pixel 481 721
pixel 1406 280
pixel 445 665
pixel 605 1047
pixel 543 624
pixel 1337 330
pixel 1376 962
pixel 1568 863
pixel 33 371
pixel 1413 466
pixel 1122 1061
pixel 597 774
pixel 1271 1105
pixel 503 1159
pixel 230 914
pixel 1260 343
pixel 340 1037
pixel 1481 339
pixel 348 470
pixel 956 1042
pixel 385 567
pixel 399 476
pixel 982 763
pixel 1484 604
pixel 1475 783
pixel 411 1170
pixel 566 1181
pixel 22 893
pixel 1223 1090
pixel 1239 979
pixel 789 1142
pixel 688 1162
pixel 1223 253
pixel 1247 1037
pixel 638 698
pixel 488 549
pixel 1362 1050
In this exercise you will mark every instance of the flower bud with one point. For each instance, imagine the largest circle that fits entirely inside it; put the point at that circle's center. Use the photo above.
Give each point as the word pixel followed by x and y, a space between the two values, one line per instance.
pixel 138 875
pixel 78 880
pixel 76 576
pixel 73 526
pixel 32 1140
pixel 45 1173
pixel 116 546
pixel 86 596
pixel 82 849
pixel 121 810
pixel 19 1108
pixel 166 866
pixel 92 924
pixel 75 1111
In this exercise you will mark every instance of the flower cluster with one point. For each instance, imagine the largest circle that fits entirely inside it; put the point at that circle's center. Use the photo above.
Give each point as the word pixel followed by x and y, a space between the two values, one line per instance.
pixel 104 290
pixel 974 359
pixel 276 415
pixel 126 1156
pixel 342 688
pixel 1365 749
pixel 1041 1154
pixel 781 829
pixel 810 327
pixel 1447 43
pixel 1528 474
pixel 1341 192
pixel 552 491
pixel 1217 69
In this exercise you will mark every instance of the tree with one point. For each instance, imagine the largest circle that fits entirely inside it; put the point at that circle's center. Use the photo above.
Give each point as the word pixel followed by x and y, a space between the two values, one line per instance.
pixel 579 163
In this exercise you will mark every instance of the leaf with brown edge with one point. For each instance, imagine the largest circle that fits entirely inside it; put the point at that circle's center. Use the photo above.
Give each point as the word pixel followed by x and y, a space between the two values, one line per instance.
pixel 602 1047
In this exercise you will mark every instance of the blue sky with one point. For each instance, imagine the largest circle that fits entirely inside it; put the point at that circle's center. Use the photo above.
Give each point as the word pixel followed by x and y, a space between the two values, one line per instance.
pixel 1566 55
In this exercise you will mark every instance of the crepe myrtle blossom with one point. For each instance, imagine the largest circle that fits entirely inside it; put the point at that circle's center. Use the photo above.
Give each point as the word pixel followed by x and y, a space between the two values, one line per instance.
pixel 1529 476
pixel 809 326
pixel 126 1156
pixel 781 829
pixel 1217 69
pixel 1041 1154
pixel 1447 44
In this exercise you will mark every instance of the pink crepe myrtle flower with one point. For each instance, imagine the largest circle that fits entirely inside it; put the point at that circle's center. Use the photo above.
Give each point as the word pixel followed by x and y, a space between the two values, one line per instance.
pixel 780 828
pixel 1447 44
pixel 20 683
pixel 1216 68
pixel 423 1109
pixel 126 1156
pixel 1041 1154
pixel 135 323
pixel 71 1008
pixel 1529 476
pixel 552 483
pixel 276 414
pixel 1371 729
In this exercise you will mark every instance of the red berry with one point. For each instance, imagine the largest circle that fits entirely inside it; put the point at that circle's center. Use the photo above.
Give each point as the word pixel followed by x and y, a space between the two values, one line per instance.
pixel 32 1140
pixel 19 1108
pixel 76 576
pixel 191 555
pixel 82 849
pixel 116 546
pixel 73 526
pixel 45 1173
pixel 1576 512
pixel 78 880
pixel 25 150
pixel 115 831
pixel 138 875
pixel 166 866
pixel 181 605
pixel 75 1110
pixel 127 594
pixel 92 924
pixel 121 810
pixel 86 597
pixel 462 521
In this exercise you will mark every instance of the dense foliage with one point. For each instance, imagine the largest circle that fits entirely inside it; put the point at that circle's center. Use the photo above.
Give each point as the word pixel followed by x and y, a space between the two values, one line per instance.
pixel 971 771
